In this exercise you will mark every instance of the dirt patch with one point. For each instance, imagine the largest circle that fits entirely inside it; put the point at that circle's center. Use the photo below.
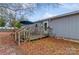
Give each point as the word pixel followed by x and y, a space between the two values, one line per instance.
pixel 50 46
pixel 44 46
pixel 8 45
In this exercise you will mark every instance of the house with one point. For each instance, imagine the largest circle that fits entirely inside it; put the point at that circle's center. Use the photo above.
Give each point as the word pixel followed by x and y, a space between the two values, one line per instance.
pixel 60 26
pixel 65 25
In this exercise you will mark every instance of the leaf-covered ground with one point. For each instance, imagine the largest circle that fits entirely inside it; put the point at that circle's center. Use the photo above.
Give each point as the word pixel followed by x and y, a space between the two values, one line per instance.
pixel 50 46
pixel 45 46
pixel 8 45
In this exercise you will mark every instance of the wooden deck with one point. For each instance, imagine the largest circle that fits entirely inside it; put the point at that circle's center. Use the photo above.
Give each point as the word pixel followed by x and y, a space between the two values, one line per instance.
pixel 28 34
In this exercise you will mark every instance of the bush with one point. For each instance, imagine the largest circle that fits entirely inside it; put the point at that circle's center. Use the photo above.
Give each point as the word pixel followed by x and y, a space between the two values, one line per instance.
pixel 16 24
pixel 2 22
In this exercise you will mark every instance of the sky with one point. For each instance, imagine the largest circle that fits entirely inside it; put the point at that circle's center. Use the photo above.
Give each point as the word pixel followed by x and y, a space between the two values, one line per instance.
pixel 44 12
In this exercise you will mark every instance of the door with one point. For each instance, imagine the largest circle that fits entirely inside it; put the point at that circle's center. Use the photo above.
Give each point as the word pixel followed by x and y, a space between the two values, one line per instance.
pixel 45 27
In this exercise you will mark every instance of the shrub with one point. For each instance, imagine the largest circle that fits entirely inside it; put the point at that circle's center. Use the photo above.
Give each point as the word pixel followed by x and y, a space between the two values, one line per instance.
pixel 16 24
pixel 2 22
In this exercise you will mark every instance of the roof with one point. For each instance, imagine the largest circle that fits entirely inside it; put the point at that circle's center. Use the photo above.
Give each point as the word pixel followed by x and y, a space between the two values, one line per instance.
pixel 26 22
pixel 58 16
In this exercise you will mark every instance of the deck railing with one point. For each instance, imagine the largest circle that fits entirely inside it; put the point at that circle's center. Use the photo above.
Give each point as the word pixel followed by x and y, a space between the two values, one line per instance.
pixel 28 33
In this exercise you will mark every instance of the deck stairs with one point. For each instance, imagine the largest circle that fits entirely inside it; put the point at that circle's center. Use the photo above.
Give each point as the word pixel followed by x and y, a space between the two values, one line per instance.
pixel 27 34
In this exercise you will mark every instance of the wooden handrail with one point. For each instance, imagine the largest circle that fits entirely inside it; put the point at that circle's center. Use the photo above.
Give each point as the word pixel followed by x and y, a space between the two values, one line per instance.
pixel 30 31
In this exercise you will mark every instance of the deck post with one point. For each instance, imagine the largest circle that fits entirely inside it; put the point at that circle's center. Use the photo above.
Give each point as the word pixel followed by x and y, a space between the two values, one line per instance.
pixel 19 38
pixel 24 35
pixel 15 36
pixel 29 35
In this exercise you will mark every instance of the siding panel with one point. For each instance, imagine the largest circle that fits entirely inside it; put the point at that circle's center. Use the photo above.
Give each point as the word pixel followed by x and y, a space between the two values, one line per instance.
pixel 66 26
